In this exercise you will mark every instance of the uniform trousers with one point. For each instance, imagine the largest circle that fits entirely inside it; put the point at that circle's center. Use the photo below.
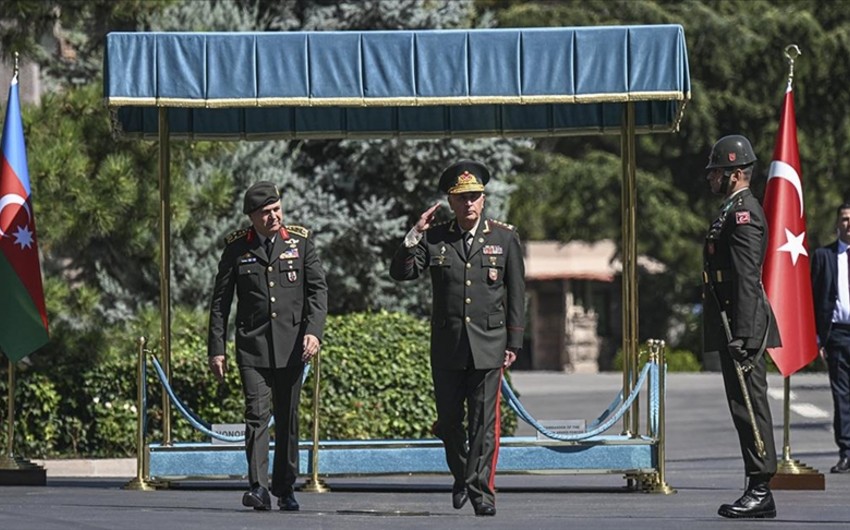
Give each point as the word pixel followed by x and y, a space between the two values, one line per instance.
pixel 838 361
pixel 755 465
pixel 473 464
pixel 280 387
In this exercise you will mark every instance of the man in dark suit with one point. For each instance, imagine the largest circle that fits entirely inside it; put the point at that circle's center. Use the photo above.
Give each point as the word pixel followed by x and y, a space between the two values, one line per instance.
pixel 831 292
pixel 738 321
pixel 477 321
pixel 280 315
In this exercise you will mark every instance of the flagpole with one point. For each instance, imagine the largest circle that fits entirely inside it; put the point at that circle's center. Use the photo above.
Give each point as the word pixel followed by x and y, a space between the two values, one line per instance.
pixel 792 474
pixel 8 457
pixel 16 471
pixel 7 460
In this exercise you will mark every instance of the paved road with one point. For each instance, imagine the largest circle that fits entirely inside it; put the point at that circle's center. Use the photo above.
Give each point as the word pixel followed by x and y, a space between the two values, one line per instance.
pixel 703 465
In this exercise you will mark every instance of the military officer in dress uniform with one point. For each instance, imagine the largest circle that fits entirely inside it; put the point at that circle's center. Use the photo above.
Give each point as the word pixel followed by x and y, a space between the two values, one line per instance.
pixel 280 315
pixel 477 321
pixel 738 321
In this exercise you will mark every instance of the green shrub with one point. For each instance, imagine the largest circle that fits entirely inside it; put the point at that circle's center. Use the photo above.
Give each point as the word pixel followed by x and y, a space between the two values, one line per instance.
pixel 376 379
pixel 37 424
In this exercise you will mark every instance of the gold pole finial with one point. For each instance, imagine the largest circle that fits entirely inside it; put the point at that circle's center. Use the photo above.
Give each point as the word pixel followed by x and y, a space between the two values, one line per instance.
pixel 792 51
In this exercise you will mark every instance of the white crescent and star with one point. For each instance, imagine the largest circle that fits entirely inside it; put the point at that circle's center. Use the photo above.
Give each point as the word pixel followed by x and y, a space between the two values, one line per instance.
pixel 793 242
pixel 23 236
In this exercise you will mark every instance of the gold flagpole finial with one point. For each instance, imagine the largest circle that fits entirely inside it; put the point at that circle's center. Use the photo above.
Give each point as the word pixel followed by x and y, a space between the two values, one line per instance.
pixel 792 51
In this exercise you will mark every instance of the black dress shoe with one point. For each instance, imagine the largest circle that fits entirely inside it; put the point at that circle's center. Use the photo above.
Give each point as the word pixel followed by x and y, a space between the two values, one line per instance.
pixel 459 495
pixel 288 503
pixel 485 509
pixel 843 466
pixel 257 498
pixel 756 503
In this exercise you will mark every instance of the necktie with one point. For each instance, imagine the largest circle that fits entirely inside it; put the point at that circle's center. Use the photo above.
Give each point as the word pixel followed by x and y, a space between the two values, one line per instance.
pixel 467 242
pixel 269 244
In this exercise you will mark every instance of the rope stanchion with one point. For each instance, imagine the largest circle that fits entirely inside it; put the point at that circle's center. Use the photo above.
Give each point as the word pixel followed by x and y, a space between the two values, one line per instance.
pixel 314 484
pixel 141 482
pixel 193 418
pixel 600 428
pixel 657 358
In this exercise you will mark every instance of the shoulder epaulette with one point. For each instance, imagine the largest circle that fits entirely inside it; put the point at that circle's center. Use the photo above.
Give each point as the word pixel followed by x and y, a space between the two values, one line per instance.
pixel 502 225
pixel 299 230
pixel 233 236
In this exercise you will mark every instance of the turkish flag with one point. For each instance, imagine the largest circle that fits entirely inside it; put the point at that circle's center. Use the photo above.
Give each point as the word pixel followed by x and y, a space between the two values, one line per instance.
pixel 786 267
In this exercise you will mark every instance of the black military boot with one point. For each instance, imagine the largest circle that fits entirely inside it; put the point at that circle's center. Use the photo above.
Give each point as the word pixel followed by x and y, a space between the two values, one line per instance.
pixel 755 503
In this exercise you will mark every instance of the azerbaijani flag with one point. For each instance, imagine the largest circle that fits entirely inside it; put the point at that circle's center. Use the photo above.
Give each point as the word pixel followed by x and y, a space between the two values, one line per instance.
pixel 23 318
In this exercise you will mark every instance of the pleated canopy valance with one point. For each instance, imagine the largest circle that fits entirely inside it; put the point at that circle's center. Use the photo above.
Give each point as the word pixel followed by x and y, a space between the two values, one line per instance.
pixel 413 84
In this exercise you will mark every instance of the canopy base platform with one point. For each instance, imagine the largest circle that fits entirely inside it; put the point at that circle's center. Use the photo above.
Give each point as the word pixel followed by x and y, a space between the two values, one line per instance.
pixel 611 454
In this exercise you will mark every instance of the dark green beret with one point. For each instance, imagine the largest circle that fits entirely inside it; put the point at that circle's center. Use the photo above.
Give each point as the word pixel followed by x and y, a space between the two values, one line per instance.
pixel 464 176
pixel 260 194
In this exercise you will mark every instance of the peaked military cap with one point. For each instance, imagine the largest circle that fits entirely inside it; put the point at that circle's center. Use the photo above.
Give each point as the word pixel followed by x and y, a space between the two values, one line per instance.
pixel 464 176
pixel 260 194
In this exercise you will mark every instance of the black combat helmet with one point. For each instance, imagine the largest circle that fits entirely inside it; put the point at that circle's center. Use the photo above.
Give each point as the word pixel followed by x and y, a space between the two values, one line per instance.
pixel 731 151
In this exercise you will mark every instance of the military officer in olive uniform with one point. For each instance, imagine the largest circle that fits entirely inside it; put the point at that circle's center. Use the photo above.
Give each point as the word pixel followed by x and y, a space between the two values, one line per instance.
pixel 738 320
pixel 477 321
pixel 280 315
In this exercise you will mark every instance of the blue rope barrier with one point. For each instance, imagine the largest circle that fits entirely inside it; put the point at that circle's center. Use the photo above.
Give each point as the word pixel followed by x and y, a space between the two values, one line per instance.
pixel 514 402
pixel 193 418
pixel 607 412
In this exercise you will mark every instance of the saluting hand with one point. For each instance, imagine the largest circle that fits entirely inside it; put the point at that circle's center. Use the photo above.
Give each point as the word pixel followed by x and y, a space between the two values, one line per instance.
pixel 311 347
pixel 427 218
pixel 217 366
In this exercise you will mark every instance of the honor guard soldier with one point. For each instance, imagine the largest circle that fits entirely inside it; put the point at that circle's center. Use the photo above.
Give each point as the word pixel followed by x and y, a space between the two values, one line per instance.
pixel 477 320
pixel 280 315
pixel 738 321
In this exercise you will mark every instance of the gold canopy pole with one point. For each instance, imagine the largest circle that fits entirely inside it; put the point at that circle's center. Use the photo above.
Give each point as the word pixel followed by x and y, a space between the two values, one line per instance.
pixel 629 271
pixel 165 264
pixel 792 474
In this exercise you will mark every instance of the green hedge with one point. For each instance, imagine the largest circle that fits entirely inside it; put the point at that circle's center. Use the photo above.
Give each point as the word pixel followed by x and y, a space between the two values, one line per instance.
pixel 375 383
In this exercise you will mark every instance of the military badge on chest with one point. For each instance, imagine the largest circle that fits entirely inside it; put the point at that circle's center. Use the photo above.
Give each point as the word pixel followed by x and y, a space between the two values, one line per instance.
pixel 441 258
pixel 492 251
pixel 292 276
